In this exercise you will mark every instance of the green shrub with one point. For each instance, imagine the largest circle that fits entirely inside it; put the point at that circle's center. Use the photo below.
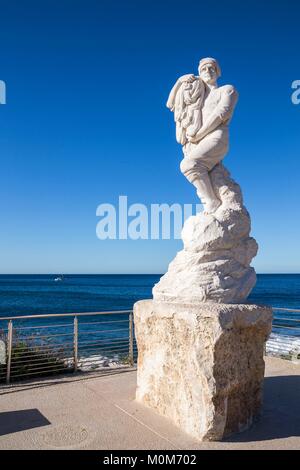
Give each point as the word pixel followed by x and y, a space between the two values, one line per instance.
pixel 30 360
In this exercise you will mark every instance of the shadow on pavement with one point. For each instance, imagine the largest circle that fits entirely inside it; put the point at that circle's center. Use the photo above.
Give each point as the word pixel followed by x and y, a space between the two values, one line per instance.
pixel 280 416
pixel 15 421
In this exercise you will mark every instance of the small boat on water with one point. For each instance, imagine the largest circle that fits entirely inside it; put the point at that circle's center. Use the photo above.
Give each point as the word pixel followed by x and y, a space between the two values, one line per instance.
pixel 59 278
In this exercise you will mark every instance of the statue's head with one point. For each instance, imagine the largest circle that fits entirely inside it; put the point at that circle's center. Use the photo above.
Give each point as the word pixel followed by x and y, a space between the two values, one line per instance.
pixel 209 70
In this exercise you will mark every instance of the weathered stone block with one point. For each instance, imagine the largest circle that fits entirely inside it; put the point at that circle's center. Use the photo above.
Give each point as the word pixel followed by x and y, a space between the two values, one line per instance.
pixel 202 365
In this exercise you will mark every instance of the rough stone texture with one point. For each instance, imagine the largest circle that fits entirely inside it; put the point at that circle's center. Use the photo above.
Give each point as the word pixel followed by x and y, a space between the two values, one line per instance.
pixel 202 365
pixel 214 265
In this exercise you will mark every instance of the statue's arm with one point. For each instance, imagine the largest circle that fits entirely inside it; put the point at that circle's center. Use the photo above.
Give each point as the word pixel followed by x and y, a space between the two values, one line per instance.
pixel 227 104
pixel 211 124
pixel 220 115
pixel 172 95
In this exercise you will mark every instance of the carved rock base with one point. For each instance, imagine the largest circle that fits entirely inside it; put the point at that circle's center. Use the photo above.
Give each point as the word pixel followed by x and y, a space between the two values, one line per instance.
pixel 202 365
pixel 214 265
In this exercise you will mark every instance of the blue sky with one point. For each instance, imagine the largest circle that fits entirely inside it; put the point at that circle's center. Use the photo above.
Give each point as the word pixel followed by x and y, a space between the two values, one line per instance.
pixel 86 121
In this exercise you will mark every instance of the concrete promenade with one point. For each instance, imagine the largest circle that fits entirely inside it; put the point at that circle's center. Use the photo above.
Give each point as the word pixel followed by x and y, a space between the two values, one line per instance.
pixel 99 412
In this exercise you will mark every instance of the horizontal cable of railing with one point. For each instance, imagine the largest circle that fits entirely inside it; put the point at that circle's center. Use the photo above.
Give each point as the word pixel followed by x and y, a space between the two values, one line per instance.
pixel 286 309
pixel 53 315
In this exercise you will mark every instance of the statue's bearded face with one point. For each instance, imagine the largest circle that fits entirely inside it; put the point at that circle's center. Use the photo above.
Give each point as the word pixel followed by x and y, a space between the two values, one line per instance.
pixel 209 74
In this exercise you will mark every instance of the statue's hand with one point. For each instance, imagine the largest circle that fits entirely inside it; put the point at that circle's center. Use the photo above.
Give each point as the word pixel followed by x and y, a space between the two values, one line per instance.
pixel 195 138
pixel 189 78
pixel 192 137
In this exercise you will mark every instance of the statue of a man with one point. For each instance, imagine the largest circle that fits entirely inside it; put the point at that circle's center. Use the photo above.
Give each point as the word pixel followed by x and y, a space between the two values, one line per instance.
pixel 202 112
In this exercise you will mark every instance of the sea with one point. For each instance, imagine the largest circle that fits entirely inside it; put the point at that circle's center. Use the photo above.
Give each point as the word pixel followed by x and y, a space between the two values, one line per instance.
pixel 41 294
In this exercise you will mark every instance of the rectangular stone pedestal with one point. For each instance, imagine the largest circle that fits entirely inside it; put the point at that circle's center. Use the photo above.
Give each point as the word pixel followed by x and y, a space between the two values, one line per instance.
pixel 202 365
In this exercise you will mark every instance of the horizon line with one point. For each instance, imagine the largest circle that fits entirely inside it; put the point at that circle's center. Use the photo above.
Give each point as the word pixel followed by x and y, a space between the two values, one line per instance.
pixel 121 274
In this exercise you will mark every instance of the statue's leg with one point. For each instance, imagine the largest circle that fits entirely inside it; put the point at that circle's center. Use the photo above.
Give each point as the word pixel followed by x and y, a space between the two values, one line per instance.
pixel 196 172
pixel 199 161
pixel 206 193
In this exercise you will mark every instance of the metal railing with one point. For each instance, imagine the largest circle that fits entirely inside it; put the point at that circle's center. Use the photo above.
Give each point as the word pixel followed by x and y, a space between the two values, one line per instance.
pixel 284 340
pixel 285 322
pixel 35 346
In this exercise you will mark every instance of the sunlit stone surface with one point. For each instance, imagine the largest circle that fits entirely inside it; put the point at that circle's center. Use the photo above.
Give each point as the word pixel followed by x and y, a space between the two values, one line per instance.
pixel 214 265
pixel 202 365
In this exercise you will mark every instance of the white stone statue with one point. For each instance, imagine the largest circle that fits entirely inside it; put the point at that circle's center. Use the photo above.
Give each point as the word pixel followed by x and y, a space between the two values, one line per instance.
pixel 202 112
pixel 200 345
pixel 214 265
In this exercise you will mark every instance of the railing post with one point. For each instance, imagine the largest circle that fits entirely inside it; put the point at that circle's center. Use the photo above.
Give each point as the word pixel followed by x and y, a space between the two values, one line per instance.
pixel 75 344
pixel 9 349
pixel 131 359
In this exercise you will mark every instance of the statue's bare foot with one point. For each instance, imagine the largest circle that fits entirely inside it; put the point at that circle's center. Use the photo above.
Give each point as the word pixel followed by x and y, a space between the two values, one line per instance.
pixel 211 206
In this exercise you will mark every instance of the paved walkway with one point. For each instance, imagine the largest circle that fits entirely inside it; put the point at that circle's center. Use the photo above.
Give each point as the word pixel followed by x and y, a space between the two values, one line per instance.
pixel 100 413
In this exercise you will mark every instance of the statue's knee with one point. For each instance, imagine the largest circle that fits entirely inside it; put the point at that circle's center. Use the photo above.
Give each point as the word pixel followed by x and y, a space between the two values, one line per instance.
pixel 183 166
pixel 187 165
pixel 192 169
